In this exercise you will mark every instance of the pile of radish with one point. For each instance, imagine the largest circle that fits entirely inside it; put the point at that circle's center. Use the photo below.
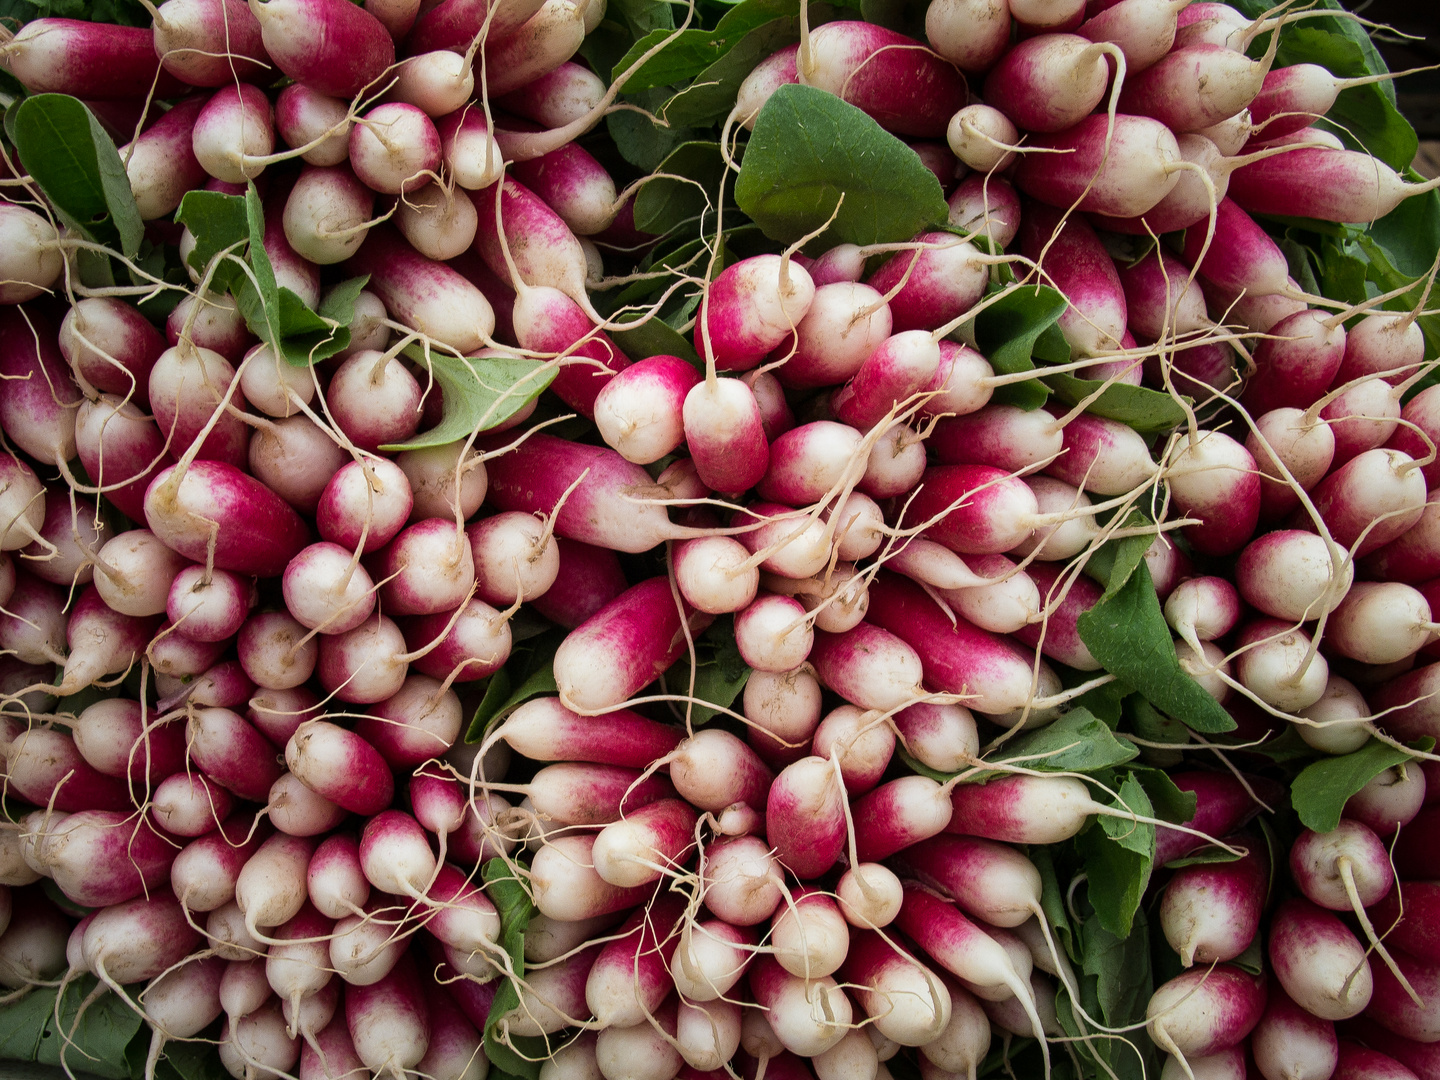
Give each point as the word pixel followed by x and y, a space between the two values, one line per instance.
pixel 716 540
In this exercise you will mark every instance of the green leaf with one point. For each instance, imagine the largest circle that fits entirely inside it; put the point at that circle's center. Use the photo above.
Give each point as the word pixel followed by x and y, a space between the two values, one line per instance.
pixel 76 165
pixel 1077 742
pixel 1116 560
pixel 1150 412
pixel 1007 332
pixel 1321 790
pixel 530 670
pixel 217 222
pixel 655 337
pixel 1120 965
pixel 711 94
pixel 692 51
pixel 641 141
pixel 1052 900
pixel 720 673
pixel 512 902
pixel 28 1031
pixel 1119 853
pixel 479 394
pixel 276 314
pixel 1126 631
pixel 339 302
pixel 186 1060
pixel 1203 857
pixel 664 204
pixel 1170 803
pixel 807 148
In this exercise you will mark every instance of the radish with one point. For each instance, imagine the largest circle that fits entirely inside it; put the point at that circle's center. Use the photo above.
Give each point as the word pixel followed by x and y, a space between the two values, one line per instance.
pixel 809 1016
pixel 1196 86
pixel 969 33
pixel 566 885
pixel 232 753
pixel 304 116
pixel 45 767
pixel 741 882
pixel 137 940
pixel 843 324
pixel 38 408
pixel 181 1003
pixel 1211 913
pixel 33 946
pixel 88 60
pixel 1333 185
pixel 1287 440
pixel 942 280
pixel 341 766
pixel 1390 799
pixel 980 136
pixel 212 609
pixel 1139 169
pixel 1051 81
pixel 443 480
pixel 630 978
pixel 1318 961
pixel 394 148
pixel 430 296
pixel 1380 622
pixel 593 676
pixel 234 136
pixel 1205 1011
pixel 103 857
pixel 331 46
pixel 208 42
pixel 710 958
pixel 962 948
pixel 1293 575
pixel 203 874
pixel 118 739
pixel 258 1043
pixel 1213 478
pixel 1371 499
pixel 190 805
pixel 1143 29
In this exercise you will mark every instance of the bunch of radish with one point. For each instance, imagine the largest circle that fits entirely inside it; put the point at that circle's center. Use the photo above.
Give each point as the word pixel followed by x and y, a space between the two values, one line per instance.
pixel 250 598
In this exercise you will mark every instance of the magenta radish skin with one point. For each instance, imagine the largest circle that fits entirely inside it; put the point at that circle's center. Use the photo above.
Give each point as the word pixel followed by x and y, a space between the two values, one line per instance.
pixel 1312 954
pixel 388 1020
pixel 567 887
pixel 110 345
pixel 548 320
pixel 574 793
pixel 1079 266
pixel 868 666
pixel 907 91
pixel 842 326
pixel 631 975
pixel 1361 1063
pixel 1194 86
pixel 422 293
pixel 1289 574
pixel 1137 173
pixel 725 434
pixel 257 533
pixel 374 492
pixel 1143 29
pixel 1293 372
pixel 1218 1007
pixel 802 1031
pixel 103 857
pixel 623 646
pixel 1215 479
pixel 341 766
pixel 589 578
pixel 898 814
pixel 544 730
pixel 186 386
pixel 574 185
pixel 1211 913
pixel 415 725
pixel 909 1003
pixel 1048 82
pixel 900 366
pixel 137 940
pixel 1332 185
pixel 47 768
pixel 331 46
pixel 232 753
pixel 804 813
pixel 37 409
pixel 954 942
pixel 947 280
pixel 1240 256
pixel 639 412
pixel 335 883
pixel 451 24
pixel 224 29
pixel 750 309
pixel 270 650
pixel 807 462
pixel 119 739
pixel 1422 410
pixel 545 251
pixel 204 873
pixel 89 60
pixel 1354 496
pixel 190 805
pixel 957 658
pixel 532 478
pixel 474 647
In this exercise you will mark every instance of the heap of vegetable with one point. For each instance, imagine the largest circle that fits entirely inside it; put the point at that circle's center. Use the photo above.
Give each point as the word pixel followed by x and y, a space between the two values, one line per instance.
pixel 858 540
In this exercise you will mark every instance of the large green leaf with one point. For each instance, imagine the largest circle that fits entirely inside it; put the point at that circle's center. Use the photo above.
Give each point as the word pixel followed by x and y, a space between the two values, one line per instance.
pixel 1008 332
pixel 1119 853
pixel 808 149
pixel 76 165
pixel 1321 790
pixel 217 221
pixel 1127 632
pixel 478 393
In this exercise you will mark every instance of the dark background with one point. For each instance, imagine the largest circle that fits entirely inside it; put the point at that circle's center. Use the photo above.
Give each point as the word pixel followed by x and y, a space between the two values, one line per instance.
pixel 1418 95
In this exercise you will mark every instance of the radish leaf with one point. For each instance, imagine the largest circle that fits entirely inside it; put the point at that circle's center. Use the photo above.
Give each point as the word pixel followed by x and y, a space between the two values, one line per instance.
pixel 1077 742
pixel 513 904
pixel 217 221
pixel 1126 631
pixel 76 165
pixel 809 147
pixel 1118 854
pixel 1321 790
pixel 1008 332
pixel 664 204
pixel 1149 412
pixel 478 394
